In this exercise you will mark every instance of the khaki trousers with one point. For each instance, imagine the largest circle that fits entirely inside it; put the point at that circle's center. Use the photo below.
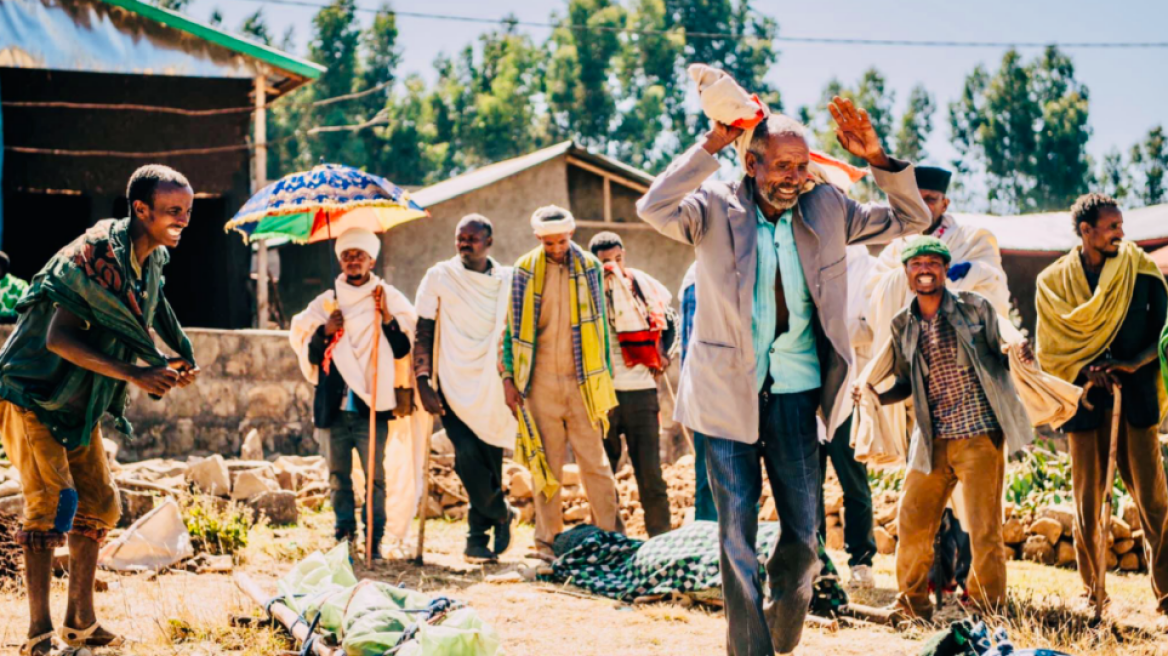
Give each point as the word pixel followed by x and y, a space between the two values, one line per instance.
pixel 557 408
pixel 979 464
pixel 1141 466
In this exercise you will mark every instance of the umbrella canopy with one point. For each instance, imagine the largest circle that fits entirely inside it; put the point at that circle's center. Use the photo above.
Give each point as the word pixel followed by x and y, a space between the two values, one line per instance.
pixel 320 204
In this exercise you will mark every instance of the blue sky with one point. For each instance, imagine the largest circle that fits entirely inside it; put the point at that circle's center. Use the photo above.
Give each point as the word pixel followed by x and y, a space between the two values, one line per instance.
pixel 1128 87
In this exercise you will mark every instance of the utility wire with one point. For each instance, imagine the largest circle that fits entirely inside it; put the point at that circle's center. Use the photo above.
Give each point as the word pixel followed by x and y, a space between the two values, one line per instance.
pixel 729 36
pixel 59 104
pixel 378 119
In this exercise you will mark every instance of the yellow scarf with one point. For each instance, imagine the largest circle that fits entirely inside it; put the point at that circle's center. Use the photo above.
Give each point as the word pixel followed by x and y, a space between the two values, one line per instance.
pixel 1076 326
pixel 589 341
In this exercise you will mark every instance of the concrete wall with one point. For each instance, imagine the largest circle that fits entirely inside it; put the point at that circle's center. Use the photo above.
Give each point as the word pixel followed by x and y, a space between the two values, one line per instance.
pixel 250 380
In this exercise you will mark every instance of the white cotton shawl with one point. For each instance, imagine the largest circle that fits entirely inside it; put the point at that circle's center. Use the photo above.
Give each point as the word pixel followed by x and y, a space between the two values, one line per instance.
pixel 406 446
pixel 353 354
pixel 470 310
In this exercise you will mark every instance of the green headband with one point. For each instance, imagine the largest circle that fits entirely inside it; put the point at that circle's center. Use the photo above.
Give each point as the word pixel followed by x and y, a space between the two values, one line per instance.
pixel 926 246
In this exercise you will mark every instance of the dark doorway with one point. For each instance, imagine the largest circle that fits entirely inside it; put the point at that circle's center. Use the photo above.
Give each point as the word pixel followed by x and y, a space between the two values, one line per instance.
pixel 37 225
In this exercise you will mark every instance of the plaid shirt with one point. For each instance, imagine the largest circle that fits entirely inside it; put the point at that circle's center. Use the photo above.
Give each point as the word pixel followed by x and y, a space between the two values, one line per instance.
pixel 957 403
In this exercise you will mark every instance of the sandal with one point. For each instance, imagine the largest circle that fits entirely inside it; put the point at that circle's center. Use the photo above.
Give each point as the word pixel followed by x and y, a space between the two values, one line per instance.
pixel 27 648
pixel 81 637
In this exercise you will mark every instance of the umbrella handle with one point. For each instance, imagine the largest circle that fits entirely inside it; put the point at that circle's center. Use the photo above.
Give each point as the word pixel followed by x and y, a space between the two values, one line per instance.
pixel 371 465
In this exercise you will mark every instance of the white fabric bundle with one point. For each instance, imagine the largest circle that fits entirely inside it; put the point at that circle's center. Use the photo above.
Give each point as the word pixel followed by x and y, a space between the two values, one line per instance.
pixel 566 223
pixel 470 309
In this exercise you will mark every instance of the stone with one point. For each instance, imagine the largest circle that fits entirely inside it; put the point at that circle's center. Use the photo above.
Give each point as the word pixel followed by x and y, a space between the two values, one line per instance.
pixel 1065 515
pixel 9 488
pixel 527 513
pixel 13 505
pixel 134 505
pixel 885 543
pixel 1123 546
pixel 771 514
pixel 885 514
pixel 1129 562
pixel 835 538
pixel 252 482
pixel 571 475
pixel 833 502
pixel 685 461
pixel 253 446
pixel 434 508
pixel 268 401
pixel 1120 529
pixel 1065 554
pixel 832 520
pixel 210 476
pixel 579 513
pixel 1038 549
pixel 279 506
pixel 521 485
pixel 441 444
pixel 111 449
pixel 458 513
pixel 1129 513
pixel 1112 559
pixel 1013 532
pixel 1047 527
pixel 893 528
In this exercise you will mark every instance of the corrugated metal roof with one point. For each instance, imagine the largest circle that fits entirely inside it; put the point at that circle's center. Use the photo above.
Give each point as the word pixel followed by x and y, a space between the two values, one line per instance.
pixel 132 37
pixel 1052 232
pixel 492 173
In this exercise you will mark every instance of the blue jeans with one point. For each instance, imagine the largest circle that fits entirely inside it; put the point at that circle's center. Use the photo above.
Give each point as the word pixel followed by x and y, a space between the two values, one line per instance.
pixel 704 510
pixel 789 448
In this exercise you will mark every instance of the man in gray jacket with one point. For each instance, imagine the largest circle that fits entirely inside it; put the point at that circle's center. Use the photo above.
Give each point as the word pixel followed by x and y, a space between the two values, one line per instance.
pixel 771 341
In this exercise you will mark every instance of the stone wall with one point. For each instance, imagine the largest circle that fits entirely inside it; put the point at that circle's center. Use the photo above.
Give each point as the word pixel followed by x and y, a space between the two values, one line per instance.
pixel 250 380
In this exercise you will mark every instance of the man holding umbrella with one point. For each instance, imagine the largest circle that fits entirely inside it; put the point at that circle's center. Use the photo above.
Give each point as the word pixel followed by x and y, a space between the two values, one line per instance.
pixel 334 341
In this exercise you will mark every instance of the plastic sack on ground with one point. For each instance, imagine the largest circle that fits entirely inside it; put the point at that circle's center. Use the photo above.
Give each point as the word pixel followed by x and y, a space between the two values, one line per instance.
pixel 369 618
pixel 158 539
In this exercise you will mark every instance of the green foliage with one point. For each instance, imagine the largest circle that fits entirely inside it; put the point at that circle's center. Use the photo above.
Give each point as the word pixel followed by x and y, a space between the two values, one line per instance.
pixel 1113 177
pixel 885 480
pixel 216 530
pixel 1026 128
pixel 173 5
pixel 256 27
pixel 1150 160
pixel 1043 478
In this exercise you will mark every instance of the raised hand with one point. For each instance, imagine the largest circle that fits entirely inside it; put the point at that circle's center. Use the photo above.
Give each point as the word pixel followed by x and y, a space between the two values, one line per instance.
pixel 720 136
pixel 854 130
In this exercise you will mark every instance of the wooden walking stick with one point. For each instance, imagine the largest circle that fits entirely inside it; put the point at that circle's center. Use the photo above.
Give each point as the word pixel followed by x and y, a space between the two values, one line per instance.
pixel 427 481
pixel 1105 512
pixel 371 465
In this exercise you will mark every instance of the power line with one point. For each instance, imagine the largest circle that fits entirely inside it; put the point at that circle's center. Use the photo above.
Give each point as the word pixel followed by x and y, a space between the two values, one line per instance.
pixel 60 104
pixel 729 36
pixel 378 119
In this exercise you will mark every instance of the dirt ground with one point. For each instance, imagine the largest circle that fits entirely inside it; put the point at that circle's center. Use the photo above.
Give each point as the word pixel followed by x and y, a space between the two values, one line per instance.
pixel 180 613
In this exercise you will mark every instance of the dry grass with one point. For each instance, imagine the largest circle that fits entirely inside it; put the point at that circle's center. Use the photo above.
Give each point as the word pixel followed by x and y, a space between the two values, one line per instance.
pixel 187 614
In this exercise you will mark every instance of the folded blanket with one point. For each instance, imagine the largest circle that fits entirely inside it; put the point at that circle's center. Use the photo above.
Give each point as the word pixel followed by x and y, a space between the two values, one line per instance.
pixel 640 305
pixel 1047 399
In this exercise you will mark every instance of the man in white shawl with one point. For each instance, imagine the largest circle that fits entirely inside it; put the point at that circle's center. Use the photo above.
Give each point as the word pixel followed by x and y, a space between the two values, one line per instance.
pixel 977 261
pixel 637 309
pixel 333 339
pixel 462 310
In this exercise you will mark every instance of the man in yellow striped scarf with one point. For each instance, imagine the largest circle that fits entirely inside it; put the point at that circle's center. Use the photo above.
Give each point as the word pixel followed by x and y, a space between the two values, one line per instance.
pixel 556 373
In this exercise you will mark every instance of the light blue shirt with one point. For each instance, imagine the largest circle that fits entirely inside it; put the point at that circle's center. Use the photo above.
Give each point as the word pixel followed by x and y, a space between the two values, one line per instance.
pixel 790 358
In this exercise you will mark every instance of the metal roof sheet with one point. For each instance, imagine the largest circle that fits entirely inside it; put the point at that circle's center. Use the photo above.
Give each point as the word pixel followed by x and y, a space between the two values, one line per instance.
pixel 1052 232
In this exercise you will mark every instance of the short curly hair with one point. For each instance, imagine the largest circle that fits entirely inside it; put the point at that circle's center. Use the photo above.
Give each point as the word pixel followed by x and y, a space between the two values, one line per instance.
pixel 1087 208
pixel 146 179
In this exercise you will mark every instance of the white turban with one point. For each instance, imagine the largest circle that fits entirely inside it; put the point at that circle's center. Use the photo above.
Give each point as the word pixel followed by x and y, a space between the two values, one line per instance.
pixel 359 238
pixel 564 223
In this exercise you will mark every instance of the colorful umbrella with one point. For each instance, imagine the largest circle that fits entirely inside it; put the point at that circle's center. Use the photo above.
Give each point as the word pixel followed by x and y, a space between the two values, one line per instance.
pixel 320 204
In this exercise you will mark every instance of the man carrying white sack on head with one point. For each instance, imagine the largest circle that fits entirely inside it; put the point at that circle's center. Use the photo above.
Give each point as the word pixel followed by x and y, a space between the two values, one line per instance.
pixel 770 347
pixel 462 309
pixel 333 339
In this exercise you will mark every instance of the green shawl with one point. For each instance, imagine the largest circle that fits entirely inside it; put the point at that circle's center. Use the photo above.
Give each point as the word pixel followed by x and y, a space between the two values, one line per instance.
pixel 93 278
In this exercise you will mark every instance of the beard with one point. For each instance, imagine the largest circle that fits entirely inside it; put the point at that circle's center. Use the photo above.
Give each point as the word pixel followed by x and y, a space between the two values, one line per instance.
pixel 770 196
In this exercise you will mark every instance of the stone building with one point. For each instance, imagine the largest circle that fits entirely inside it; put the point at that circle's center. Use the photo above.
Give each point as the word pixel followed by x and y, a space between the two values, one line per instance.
pixel 599 190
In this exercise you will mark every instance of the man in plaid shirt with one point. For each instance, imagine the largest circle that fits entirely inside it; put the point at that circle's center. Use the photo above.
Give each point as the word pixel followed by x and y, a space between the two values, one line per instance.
pixel 948 358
